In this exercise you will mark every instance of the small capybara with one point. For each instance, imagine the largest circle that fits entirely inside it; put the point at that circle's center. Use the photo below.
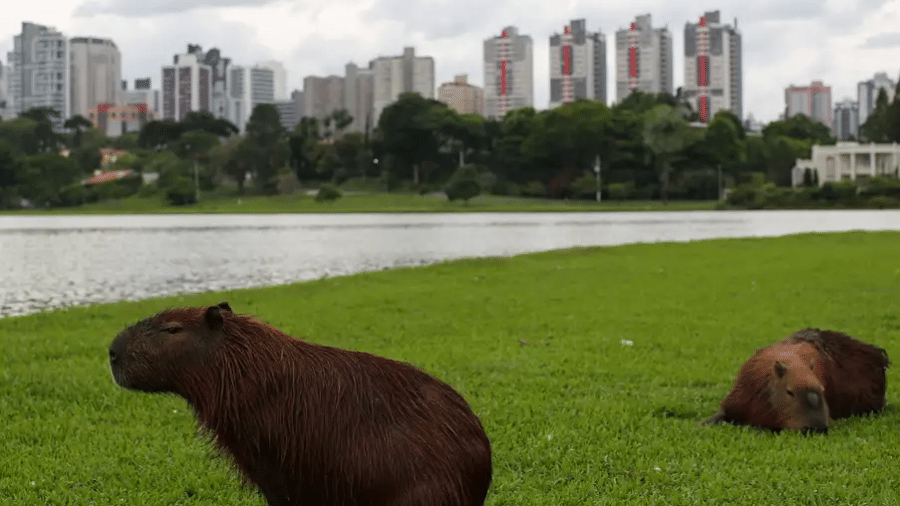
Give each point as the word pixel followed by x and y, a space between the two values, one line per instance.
pixel 306 423
pixel 806 380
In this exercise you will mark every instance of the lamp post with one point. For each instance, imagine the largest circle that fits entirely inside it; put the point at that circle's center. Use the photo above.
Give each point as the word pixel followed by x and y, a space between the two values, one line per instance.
pixel 597 171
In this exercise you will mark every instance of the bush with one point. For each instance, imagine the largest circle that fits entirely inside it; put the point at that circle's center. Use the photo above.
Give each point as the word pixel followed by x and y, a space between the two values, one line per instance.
pixel 534 189
pixel 463 184
pixel 621 191
pixel 506 188
pixel 883 202
pixel 181 192
pixel 328 193
pixel 462 189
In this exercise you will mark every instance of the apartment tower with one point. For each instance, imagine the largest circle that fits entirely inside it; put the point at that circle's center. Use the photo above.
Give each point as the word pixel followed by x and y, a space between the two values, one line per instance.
pixel 867 94
pixel 814 101
pixel 186 86
pixel 40 75
pixel 577 64
pixel 96 67
pixel 713 66
pixel 508 73
pixel 395 75
pixel 643 59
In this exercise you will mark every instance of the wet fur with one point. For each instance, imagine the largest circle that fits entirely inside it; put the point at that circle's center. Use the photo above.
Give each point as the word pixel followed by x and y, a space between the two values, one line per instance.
pixel 311 424
pixel 851 373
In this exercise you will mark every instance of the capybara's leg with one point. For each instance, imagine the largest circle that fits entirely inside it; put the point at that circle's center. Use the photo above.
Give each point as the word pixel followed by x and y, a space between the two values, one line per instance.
pixel 716 418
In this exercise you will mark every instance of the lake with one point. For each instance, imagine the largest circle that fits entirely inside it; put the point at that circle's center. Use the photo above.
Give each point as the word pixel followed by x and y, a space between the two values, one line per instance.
pixel 60 261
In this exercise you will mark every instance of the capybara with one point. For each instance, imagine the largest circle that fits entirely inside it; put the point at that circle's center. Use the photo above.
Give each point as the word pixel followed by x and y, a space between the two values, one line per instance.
pixel 306 423
pixel 806 380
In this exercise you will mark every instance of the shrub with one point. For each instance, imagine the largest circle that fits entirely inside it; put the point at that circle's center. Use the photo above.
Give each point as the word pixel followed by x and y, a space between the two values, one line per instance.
pixel 328 193
pixel 883 202
pixel 621 191
pixel 462 189
pixel 534 189
pixel 180 192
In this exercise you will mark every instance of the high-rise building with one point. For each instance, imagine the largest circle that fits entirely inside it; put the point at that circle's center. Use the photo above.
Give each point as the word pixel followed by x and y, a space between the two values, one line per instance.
pixel 814 101
pixel 643 59
pixel 713 66
pixel 395 75
pixel 186 86
pixel 846 119
pixel 867 94
pixel 218 79
pixel 5 98
pixel 40 74
pixel 461 96
pixel 290 111
pixel 577 64
pixel 248 87
pixel 322 95
pixel 508 72
pixel 359 87
pixel 279 78
pixel 96 66
pixel 143 93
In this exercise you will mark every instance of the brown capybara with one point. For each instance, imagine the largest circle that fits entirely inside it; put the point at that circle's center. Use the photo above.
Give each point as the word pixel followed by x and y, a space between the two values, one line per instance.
pixel 806 380
pixel 310 424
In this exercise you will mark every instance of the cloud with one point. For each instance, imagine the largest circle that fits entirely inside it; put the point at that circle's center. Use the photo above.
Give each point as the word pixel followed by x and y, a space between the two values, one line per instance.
pixel 882 40
pixel 156 7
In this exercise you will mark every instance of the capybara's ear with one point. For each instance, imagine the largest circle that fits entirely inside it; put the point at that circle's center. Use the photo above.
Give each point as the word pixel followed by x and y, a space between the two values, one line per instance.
pixel 214 318
pixel 812 365
pixel 780 369
pixel 224 306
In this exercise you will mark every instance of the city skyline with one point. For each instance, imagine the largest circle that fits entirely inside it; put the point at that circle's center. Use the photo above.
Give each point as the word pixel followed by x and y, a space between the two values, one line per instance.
pixel 837 45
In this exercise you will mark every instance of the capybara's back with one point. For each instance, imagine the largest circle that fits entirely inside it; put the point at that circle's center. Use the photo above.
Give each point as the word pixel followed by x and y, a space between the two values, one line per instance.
pixel 855 377
pixel 310 424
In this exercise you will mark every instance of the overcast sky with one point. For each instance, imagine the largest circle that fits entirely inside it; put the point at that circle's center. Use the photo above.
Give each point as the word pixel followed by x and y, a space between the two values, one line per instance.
pixel 785 41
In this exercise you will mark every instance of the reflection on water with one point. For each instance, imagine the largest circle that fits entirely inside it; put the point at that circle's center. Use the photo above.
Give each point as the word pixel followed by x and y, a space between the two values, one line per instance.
pixel 59 261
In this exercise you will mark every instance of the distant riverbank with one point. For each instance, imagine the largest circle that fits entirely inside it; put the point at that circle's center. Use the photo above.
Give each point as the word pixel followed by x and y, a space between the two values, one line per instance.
pixel 364 203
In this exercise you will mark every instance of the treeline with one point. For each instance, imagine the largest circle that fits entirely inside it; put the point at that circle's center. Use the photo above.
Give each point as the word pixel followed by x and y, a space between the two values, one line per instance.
pixel 647 146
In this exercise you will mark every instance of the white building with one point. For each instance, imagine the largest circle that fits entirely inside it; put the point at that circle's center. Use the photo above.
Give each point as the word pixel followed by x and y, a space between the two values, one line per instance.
pixel 279 78
pixel 643 59
pixel 395 75
pixel 40 74
pixel 713 68
pixel 577 64
pixel 849 161
pixel 186 86
pixel 5 97
pixel 322 95
pixel 846 119
pixel 359 98
pixel 143 93
pixel 96 66
pixel 248 87
pixel 867 94
pixel 508 73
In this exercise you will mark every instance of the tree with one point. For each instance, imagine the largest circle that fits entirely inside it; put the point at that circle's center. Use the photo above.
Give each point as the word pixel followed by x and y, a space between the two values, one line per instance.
pixel 665 133
pixel 205 121
pixel 265 134
pixel 77 123
pixel 44 175
pixel 304 148
pixel 45 138
pixel 158 134
pixel 408 130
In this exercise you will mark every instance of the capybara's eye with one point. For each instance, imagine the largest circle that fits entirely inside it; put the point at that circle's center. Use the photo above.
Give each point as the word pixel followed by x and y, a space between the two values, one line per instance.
pixel 173 328
pixel 790 392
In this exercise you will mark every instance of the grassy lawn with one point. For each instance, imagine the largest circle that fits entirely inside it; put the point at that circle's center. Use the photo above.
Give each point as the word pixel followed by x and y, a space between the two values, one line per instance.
pixel 628 348
pixel 367 202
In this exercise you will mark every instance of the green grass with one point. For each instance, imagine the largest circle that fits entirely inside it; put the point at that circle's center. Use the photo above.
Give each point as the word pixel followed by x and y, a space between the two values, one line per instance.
pixel 365 202
pixel 575 416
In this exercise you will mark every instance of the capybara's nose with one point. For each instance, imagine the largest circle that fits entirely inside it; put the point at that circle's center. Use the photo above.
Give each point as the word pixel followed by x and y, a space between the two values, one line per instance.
pixel 113 358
